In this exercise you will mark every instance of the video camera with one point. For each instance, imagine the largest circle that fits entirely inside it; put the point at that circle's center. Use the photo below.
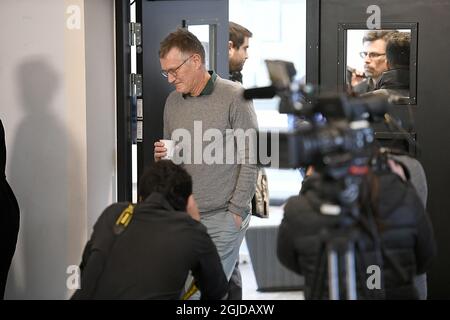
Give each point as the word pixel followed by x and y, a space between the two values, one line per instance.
pixel 339 142
pixel 336 129
pixel 339 211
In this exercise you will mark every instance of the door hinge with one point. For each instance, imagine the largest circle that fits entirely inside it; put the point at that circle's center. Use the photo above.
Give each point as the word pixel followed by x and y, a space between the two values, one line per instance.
pixel 134 34
pixel 135 85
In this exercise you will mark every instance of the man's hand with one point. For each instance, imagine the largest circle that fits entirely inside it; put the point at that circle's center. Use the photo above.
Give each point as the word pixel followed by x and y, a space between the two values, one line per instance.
pixel 237 220
pixel 357 77
pixel 192 209
pixel 397 169
pixel 309 171
pixel 160 151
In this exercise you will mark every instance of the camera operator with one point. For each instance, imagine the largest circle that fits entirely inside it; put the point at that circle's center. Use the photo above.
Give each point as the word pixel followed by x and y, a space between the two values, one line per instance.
pixel 357 213
pixel 403 234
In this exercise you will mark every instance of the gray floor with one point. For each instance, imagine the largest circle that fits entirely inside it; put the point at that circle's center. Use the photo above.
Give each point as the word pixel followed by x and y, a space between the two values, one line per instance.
pixel 249 283
pixel 249 286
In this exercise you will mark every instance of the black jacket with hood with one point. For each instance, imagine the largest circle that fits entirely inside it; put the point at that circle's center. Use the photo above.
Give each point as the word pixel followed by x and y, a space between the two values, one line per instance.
pixel 152 257
pixel 404 249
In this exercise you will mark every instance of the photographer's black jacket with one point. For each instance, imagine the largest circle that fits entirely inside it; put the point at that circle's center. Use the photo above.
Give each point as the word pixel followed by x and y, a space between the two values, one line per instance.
pixel 151 258
pixel 405 234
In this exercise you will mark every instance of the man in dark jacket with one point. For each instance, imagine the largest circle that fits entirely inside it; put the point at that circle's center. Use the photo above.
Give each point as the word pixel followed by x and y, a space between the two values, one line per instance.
pixel 9 218
pixel 153 255
pixel 406 242
pixel 237 50
pixel 395 80
pixel 238 44
pixel 375 62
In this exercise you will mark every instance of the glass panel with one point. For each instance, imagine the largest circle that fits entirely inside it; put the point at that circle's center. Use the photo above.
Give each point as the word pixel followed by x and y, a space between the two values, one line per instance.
pixel 378 62
pixel 205 34
pixel 279 32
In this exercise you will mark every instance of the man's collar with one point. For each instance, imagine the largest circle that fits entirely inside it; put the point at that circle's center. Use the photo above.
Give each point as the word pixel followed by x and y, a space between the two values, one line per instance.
pixel 209 87
pixel 236 76
pixel 156 199
pixel 394 79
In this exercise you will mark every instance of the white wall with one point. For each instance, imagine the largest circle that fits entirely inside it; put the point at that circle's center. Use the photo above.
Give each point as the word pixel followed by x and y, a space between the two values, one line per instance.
pixel 101 106
pixel 57 106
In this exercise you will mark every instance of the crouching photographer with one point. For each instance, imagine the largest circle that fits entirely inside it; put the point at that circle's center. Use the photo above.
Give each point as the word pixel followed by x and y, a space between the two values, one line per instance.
pixel 358 229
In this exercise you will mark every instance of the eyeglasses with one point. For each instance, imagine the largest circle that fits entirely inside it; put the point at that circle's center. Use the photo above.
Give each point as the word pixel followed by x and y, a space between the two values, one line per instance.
pixel 173 72
pixel 372 55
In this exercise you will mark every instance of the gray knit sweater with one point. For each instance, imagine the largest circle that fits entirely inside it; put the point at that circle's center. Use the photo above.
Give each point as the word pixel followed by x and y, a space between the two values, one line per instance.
pixel 218 183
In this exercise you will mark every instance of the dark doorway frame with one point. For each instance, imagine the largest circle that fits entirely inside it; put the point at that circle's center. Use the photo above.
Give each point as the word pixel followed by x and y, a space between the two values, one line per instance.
pixel 123 69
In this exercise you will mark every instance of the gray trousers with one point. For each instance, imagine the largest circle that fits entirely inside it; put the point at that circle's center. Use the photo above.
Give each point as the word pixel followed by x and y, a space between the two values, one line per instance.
pixel 227 238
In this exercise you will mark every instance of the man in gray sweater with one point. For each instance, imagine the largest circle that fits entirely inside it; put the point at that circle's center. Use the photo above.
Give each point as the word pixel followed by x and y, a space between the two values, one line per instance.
pixel 206 116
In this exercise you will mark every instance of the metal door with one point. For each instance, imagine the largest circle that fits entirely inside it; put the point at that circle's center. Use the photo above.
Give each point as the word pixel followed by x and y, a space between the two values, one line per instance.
pixel 429 22
pixel 209 21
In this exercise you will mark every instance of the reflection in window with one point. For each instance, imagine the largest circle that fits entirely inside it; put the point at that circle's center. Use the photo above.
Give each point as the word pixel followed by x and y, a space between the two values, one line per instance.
pixel 378 62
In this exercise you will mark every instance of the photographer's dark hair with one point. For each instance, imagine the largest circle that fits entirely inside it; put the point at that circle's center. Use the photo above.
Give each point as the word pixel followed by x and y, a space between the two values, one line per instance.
pixel 168 179
pixel 398 50
pixel 238 34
